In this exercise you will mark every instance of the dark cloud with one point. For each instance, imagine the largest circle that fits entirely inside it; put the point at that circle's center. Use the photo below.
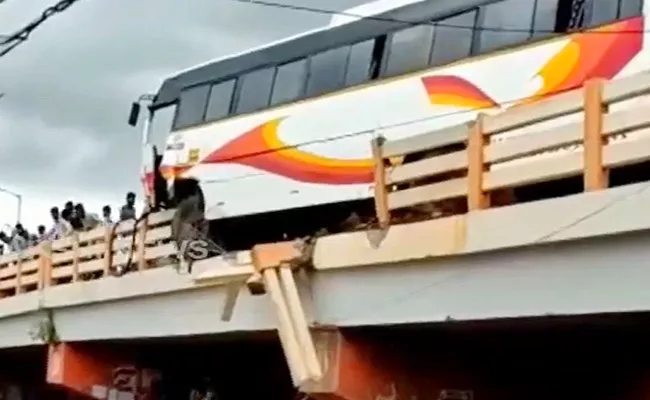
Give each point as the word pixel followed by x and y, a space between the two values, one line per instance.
pixel 69 87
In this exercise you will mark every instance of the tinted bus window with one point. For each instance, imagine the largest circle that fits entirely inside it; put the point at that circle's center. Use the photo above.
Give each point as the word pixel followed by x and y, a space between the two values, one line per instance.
pixel 289 82
pixel 191 107
pixel 452 42
pixel 409 49
pixel 545 18
pixel 220 100
pixel 505 23
pixel 255 90
pixel 327 71
pixel 160 126
pixel 630 8
pixel 602 11
pixel 359 63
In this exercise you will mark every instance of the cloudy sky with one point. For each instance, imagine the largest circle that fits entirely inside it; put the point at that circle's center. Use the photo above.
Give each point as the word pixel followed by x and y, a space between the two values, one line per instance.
pixel 63 131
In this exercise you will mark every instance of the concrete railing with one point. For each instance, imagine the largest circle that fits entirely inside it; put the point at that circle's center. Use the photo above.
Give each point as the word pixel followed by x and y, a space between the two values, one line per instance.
pixel 474 166
pixel 88 255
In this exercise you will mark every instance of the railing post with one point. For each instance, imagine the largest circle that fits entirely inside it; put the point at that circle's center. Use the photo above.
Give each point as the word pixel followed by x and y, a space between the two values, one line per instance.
pixel 142 243
pixel 595 174
pixel 45 265
pixel 477 199
pixel 381 193
pixel 19 272
pixel 75 255
pixel 108 250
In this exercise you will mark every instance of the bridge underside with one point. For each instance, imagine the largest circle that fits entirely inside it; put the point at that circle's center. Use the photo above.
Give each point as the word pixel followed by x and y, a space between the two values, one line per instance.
pixel 595 357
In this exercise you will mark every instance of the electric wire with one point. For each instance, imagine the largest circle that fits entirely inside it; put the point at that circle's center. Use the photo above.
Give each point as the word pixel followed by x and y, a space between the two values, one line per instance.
pixel 11 41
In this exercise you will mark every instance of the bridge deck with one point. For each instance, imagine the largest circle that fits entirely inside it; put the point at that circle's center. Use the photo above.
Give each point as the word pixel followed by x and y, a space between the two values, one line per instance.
pixel 581 270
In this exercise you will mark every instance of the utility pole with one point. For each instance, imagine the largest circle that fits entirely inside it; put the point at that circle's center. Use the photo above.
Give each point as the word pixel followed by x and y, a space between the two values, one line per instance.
pixel 19 202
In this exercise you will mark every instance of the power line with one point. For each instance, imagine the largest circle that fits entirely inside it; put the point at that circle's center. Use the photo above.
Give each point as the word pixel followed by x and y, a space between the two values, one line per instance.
pixel 314 10
pixel 10 42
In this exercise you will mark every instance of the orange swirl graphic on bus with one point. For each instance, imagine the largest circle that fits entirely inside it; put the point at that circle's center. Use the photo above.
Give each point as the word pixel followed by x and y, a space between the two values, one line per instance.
pixel 454 91
pixel 599 53
pixel 261 148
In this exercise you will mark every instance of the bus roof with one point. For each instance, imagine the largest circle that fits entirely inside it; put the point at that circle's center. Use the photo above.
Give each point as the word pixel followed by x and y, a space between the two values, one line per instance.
pixel 369 9
pixel 342 29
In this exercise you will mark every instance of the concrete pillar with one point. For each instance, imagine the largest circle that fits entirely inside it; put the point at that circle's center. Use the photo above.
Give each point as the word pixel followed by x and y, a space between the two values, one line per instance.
pixel 95 371
pixel 359 367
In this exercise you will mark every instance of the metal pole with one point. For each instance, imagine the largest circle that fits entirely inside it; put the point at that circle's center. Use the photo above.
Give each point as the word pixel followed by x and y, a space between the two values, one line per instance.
pixel 19 208
pixel 19 200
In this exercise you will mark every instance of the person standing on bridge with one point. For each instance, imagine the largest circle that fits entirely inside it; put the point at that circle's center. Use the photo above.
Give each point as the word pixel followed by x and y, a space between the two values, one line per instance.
pixel 60 227
pixel 128 210
pixel 19 239
pixel 107 219
pixel 42 235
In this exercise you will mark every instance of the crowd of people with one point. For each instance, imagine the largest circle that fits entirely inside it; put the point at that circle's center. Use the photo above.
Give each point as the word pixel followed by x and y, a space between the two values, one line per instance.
pixel 72 217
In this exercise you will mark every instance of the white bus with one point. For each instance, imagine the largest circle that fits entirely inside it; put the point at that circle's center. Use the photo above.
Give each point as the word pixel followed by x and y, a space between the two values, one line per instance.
pixel 278 137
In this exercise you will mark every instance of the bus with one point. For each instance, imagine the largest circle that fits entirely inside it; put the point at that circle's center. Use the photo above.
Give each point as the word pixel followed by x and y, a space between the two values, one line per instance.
pixel 277 139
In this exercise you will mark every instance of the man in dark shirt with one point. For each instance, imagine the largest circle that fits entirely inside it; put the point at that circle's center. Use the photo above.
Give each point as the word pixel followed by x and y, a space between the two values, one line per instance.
pixel 76 218
pixel 128 210
pixel 69 207
pixel 42 234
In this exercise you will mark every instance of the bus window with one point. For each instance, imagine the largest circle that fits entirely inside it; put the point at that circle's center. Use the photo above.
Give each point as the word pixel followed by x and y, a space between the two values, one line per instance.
pixel 191 107
pixel 326 71
pixel 602 11
pixel 452 43
pixel 545 20
pixel 630 8
pixel 220 100
pixel 289 82
pixel 505 23
pixel 409 49
pixel 359 63
pixel 161 126
pixel 255 90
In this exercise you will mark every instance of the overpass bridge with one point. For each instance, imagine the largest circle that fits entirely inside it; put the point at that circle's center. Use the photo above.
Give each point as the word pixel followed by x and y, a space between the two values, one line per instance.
pixel 577 254
pixel 598 265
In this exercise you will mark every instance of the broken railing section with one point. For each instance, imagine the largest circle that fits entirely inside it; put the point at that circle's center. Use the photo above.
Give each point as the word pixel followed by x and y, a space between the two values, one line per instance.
pixel 274 267
pixel 270 272
pixel 477 165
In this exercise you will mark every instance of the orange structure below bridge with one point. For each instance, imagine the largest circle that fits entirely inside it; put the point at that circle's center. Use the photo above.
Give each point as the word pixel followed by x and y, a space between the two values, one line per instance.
pixel 470 363
pixel 88 371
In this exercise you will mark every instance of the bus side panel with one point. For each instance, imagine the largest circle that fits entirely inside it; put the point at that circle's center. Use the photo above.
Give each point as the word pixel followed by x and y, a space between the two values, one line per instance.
pixel 318 151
